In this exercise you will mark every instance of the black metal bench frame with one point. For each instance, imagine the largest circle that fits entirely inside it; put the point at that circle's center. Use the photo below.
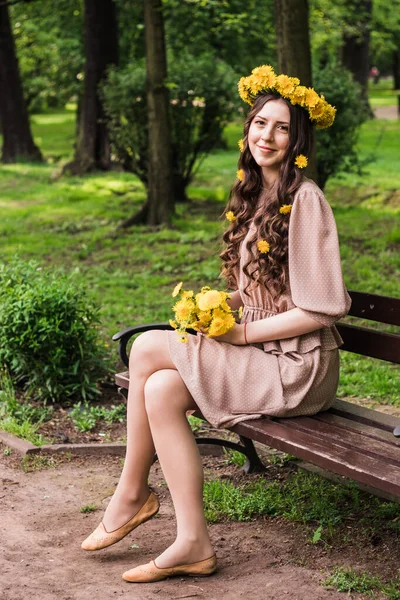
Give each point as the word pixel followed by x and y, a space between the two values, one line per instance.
pixel 356 442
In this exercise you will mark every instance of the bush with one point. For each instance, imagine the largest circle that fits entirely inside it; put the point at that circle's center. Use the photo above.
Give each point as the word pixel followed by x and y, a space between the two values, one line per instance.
pixel 202 101
pixel 336 146
pixel 48 333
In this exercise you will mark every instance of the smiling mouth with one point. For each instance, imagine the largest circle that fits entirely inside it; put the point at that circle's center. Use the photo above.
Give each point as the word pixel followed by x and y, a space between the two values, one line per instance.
pixel 265 149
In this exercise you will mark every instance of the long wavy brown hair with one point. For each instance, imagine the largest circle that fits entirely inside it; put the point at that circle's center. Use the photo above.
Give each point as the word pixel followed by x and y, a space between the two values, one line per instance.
pixel 268 269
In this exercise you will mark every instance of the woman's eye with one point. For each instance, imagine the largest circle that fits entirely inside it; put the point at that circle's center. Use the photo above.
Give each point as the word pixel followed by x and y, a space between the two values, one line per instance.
pixel 283 128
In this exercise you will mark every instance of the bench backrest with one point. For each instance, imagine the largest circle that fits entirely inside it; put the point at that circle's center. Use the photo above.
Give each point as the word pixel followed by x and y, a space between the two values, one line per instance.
pixel 368 341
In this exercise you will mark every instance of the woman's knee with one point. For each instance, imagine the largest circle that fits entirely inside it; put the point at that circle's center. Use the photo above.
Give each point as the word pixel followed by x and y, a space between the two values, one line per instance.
pixel 145 351
pixel 165 393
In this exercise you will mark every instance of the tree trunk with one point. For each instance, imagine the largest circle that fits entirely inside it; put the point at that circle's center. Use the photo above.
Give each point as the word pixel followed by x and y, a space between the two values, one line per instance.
pixel 396 69
pixel 17 137
pixel 355 50
pixel 160 173
pixel 294 54
pixel 101 51
pixel 293 39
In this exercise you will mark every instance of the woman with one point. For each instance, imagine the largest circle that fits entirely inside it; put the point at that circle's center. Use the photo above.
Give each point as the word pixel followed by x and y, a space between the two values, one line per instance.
pixel 282 260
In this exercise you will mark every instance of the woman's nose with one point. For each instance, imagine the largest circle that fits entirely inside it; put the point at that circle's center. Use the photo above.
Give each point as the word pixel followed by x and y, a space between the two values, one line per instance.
pixel 267 133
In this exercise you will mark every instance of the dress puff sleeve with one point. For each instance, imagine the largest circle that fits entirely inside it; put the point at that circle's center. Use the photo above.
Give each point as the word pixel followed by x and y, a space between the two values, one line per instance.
pixel 315 273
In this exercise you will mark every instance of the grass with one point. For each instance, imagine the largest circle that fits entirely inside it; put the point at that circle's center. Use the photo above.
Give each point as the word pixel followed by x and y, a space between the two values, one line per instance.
pixel 350 581
pixel 72 222
pixel 89 508
pixel 21 420
pixel 304 498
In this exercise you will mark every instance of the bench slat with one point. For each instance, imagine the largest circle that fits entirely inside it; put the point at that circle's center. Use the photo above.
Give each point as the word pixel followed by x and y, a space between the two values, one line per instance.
pixel 349 463
pixel 331 434
pixel 361 414
pixel 122 379
pixel 375 308
pixel 363 429
pixel 369 342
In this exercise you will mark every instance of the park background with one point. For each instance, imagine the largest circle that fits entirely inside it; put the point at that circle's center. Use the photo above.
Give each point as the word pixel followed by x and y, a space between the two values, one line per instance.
pixel 98 224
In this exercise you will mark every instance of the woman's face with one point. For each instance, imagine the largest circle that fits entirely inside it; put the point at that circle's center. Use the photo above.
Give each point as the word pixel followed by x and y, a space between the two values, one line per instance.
pixel 268 137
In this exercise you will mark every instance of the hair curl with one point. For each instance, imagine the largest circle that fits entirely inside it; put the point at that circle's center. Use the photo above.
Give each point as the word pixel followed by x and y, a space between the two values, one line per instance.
pixel 268 269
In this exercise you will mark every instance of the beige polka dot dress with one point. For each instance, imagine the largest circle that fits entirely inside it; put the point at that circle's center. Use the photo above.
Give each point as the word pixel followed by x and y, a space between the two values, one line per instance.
pixel 295 376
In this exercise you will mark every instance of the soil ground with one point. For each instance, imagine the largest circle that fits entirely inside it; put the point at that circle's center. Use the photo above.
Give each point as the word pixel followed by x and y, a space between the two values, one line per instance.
pixel 42 527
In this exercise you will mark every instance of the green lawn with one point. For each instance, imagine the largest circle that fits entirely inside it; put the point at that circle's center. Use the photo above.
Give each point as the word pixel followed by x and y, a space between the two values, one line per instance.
pixel 72 221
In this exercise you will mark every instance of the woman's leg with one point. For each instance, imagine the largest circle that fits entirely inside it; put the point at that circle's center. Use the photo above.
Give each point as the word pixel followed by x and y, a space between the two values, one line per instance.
pixel 148 354
pixel 167 400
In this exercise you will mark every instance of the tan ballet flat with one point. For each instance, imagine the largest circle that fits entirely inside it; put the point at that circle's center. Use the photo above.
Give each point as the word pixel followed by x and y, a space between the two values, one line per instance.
pixel 101 538
pixel 150 572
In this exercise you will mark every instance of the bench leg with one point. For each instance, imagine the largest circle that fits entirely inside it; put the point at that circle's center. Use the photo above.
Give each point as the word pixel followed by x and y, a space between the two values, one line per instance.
pixel 396 431
pixel 123 392
pixel 253 463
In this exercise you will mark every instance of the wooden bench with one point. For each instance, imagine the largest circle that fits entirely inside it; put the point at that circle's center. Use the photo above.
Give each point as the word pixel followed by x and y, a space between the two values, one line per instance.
pixel 352 441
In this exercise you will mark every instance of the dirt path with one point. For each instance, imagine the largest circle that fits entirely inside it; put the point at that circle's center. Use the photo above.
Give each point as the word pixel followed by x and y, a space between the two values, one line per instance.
pixel 386 112
pixel 41 559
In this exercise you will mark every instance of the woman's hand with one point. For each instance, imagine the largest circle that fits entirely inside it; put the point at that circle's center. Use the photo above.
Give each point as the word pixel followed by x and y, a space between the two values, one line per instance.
pixel 235 336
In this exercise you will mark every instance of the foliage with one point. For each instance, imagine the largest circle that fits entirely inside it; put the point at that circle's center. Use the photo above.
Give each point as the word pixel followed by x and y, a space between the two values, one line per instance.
pixel 201 106
pixel 50 53
pixel 21 420
pixel 348 580
pixel 85 417
pixel 336 146
pixel 48 335
pixel 385 34
pixel 303 498
pixel 240 34
pixel 330 21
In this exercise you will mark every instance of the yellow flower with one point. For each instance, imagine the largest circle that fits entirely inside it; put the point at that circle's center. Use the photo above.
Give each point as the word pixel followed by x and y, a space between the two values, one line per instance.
pixel 317 111
pixel 263 80
pixel 298 95
pixel 328 117
pixel 184 338
pixel 241 145
pixel 183 309
pixel 263 246
pixel 230 216
pixel 285 209
pixel 311 97
pixel 240 312
pixel 301 161
pixel 173 324
pixel 177 289
pixel 204 319
pixel 286 85
pixel 210 299
pixel 221 323
pixel 240 174
pixel 188 294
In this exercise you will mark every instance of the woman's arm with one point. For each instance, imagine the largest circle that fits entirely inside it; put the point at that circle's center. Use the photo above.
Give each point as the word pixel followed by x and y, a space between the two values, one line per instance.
pixel 288 324
pixel 235 300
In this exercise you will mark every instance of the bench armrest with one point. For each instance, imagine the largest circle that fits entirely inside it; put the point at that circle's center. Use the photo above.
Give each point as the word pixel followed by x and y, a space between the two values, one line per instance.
pixel 125 335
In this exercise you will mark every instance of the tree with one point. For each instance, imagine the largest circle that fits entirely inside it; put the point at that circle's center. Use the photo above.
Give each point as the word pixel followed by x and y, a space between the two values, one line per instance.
pixel 356 39
pixel 293 45
pixel 385 38
pixel 48 38
pixel 293 39
pixel 17 137
pixel 160 176
pixel 101 51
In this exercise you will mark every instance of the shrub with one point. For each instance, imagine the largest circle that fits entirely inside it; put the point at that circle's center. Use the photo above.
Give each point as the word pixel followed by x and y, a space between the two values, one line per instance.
pixel 202 101
pixel 336 146
pixel 48 332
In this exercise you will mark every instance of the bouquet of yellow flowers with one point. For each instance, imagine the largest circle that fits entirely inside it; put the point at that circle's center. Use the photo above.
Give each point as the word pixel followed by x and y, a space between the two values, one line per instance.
pixel 207 311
